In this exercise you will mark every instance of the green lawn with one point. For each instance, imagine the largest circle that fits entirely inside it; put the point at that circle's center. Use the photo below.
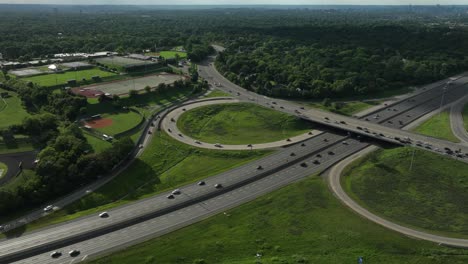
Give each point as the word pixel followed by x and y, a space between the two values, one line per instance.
pixel 165 164
pixel 465 116
pixel 3 169
pixel 301 223
pixel 168 54
pixel 346 108
pixel 432 195
pixel 62 78
pixel 20 144
pixel 121 122
pixel 438 126
pixel 217 93
pixel 240 123
pixel 11 110
pixel 98 145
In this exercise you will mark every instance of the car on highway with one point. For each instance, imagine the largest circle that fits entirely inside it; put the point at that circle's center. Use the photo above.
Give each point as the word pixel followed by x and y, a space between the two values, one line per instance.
pixel 316 162
pixel 104 215
pixel 325 140
pixel 140 146
pixel 344 143
pixel 176 191
pixel 218 186
pixel 48 208
pixel 201 183
pixel 197 142
pixel 259 167
pixel 273 102
pixel 74 253
pixel 292 154
pixel 218 145
pixel 331 153
pixel 249 145
pixel 56 254
pixel 170 196
pixel 303 164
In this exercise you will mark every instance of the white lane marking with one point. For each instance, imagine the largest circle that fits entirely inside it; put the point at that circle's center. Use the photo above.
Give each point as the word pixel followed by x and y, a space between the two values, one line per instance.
pixel 84 258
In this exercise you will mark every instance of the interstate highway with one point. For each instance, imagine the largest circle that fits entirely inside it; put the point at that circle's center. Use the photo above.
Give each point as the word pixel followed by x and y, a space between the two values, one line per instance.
pixel 141 205
pixel 458 90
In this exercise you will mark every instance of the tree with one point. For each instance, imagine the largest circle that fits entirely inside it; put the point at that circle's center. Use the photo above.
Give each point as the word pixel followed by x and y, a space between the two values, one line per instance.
pixel 148 89
pixel 133 93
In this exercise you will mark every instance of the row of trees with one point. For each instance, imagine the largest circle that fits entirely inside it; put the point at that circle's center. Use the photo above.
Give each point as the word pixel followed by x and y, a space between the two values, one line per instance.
pixel 312 62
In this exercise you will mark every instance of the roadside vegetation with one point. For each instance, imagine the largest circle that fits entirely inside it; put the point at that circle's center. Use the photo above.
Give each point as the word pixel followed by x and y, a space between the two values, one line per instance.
pixel 217 93
pixel 240 123
pixel 465 116
pixel 3 169
pixel 164 165
pixel 301 223
pixel 426 191
pixel 438 126
pixel 345 108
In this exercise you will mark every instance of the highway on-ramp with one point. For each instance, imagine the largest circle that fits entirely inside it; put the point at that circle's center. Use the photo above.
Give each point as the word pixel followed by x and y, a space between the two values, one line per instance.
pixel 143 219
pixel 456 120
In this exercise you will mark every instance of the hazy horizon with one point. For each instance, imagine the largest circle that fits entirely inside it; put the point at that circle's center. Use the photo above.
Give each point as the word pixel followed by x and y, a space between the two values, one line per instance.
pixel 237 2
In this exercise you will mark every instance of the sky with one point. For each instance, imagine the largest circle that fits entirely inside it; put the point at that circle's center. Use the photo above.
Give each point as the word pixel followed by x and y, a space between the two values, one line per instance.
pixel 239 2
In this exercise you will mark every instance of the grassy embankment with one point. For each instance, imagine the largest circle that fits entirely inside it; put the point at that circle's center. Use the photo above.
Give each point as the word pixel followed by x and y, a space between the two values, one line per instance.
pixel 165 164
pixel 438 126
pixel 427 191
pixel 301 223
pixel 240 123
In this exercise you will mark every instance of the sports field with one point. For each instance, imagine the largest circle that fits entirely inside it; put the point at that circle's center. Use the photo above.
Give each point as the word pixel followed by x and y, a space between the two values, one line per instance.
pixel 11 110
pixel 138 84
pixel 168 54
pixel 117 61
pixel 62 78
pixel 112 124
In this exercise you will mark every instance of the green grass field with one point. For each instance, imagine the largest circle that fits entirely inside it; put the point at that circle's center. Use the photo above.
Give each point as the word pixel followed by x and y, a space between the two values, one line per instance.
pixel 11 110
pixel 165 164
pixel 98 145
pixel 121 122
pixel 217 93
pixel 240 123
pixel 20 144
pixel 168 54
pixel 3 169
pixel 431 195
pixel 62 78
pixel 465 116
pixel 301 223
pixel 438 126
pixel 346 108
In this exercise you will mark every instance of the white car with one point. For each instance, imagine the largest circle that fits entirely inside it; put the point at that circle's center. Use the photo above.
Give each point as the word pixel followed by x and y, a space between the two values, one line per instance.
pixel 104 215
pixel 176 191
pixel 48 208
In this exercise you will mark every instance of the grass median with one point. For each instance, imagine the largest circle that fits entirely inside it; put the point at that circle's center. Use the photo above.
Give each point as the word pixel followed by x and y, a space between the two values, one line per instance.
pixel 465 116
pixel 240 123
pixel 164 165
pixel 412 187
pixel 301 223
pixel 438 126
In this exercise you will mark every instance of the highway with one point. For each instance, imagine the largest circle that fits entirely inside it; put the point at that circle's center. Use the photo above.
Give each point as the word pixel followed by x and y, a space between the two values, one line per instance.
pixel 385 127
pixel 456 120
pixel 169 124
pixel 91 234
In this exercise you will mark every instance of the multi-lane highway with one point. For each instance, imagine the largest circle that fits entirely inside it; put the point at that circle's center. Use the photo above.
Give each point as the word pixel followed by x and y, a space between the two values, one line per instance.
pixel 383 124
pixel 157 215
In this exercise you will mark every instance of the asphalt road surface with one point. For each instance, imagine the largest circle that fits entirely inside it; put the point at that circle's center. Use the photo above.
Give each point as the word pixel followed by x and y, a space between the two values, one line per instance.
pixel 12 161
pixel 91 234
pixel 335 185
pixel 169 124
pixel 386 127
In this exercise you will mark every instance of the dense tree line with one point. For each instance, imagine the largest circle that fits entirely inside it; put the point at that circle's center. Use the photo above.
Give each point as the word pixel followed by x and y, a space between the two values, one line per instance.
pixel 331 61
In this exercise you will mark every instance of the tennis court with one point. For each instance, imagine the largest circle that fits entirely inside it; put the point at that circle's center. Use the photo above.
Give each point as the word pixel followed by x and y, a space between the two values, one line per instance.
pixel 125 86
